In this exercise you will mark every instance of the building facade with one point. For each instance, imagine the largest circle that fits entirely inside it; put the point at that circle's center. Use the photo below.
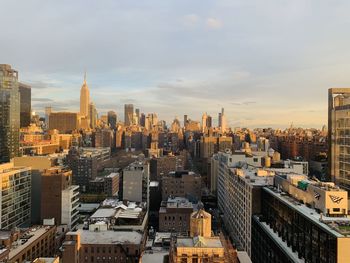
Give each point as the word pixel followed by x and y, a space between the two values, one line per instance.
pixel 128 114
pixel 9 113
pixel 59 197
pixel 338 132
pixel 182 184
pixel 15 196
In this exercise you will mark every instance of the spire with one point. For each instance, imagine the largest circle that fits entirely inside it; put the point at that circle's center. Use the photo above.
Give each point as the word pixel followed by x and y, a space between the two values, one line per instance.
pixel 85 77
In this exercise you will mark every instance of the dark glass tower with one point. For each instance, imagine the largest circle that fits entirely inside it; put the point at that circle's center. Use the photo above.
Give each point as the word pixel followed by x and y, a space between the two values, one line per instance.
pixel 25 104
pixel 9 113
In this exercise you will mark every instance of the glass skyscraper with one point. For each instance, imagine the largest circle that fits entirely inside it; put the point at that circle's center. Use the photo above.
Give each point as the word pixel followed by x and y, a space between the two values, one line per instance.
pixel 9 113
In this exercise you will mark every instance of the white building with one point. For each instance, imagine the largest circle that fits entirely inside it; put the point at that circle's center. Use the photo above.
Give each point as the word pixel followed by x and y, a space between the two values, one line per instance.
pixel 70 203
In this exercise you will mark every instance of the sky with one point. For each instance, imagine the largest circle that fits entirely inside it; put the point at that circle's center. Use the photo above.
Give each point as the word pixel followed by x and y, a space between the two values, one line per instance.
pixel 268 63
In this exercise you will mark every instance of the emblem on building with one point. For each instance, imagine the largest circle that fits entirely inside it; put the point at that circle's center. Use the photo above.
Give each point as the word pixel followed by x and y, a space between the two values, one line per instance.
pixel 335 199
pixel 317 196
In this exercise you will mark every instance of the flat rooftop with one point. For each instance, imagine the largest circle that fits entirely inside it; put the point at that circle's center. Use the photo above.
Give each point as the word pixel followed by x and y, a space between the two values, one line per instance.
pixel 28 238
pixel 154 256
pixel 328 224
pixel 109 237
pixel 206 242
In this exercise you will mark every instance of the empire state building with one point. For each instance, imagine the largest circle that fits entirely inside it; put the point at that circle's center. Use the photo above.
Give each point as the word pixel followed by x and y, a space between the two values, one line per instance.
pixel 84 99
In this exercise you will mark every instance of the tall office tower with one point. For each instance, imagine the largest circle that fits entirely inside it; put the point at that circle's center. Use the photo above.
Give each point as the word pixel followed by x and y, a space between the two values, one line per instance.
pixel 84 99
pixel 59 197
pixel 128 114
pixel 137 113
pixel 25 104
pixel 338 132
pixel 9 113
pixel 112 119
pixel 219 120
pixel 204 121
pixel 48 111
pixel 185 119
pixel 92 115
pixel 142 119
pixel 209 121
pixel 15 198
pixel 153 120
pixel 223 121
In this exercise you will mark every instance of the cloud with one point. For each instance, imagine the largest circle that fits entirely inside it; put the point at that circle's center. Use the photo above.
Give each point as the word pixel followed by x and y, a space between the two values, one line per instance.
pixel 214 23
pixel 58 105
pixel 191 20
pixel 244 103
pixel 40 85
pixel 41 99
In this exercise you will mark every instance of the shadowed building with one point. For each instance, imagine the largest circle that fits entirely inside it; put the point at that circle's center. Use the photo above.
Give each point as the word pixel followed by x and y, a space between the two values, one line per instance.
pixel 25 104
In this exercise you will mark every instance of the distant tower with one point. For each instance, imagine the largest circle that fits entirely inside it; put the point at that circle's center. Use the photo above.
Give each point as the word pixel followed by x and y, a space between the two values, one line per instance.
pixel 209 121
pixel 48 111
pixel 185 120
pixel 128 114
pixel 26 104
pixel 112 119
pixel 84 99
pixel 223 121
pixel 204 121
pixel 92 115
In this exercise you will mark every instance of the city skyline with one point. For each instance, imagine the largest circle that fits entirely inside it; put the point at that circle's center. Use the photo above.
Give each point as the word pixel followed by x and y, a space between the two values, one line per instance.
pixel 266 64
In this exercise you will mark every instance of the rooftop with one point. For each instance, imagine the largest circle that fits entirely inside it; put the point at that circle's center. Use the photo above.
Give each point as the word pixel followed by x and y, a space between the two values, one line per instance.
pixel 109 237
pixel 207 242
pixel 27 238
pixel 336 226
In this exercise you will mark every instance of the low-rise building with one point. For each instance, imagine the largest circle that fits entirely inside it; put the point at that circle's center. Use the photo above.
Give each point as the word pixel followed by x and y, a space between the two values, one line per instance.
pixel 103 245
pixel 28 244
pixel 174 215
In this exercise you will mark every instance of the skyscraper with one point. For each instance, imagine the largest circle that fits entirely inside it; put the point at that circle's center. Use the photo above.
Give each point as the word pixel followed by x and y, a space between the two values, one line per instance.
pixel 112 119
pixel 204 121
pixel 128 114
pixel 25 104
pixel 338 132
pixel 137 113
pixel 209 121
pixel 223 121
pixel 92 115
pixel 84 99
pixel 9 113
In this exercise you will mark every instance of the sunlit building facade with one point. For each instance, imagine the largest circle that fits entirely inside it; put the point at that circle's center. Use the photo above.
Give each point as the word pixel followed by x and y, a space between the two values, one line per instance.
pixel 15 199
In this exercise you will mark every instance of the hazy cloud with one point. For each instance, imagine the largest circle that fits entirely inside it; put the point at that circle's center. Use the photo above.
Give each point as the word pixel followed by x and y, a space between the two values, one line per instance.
pixel 214 23
pixel 183 57
pixel 41 100
pixel 191 20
